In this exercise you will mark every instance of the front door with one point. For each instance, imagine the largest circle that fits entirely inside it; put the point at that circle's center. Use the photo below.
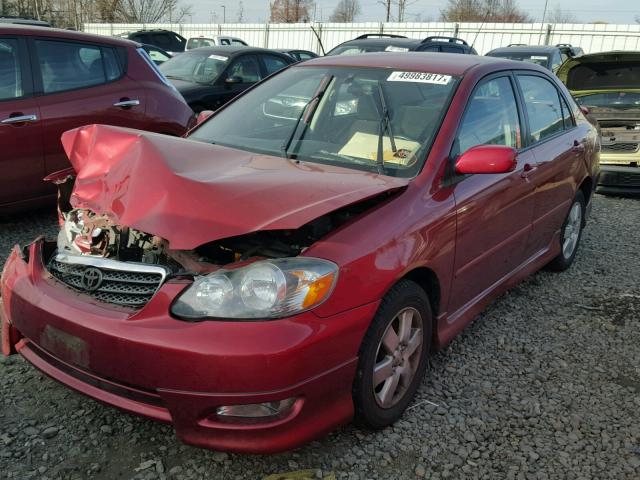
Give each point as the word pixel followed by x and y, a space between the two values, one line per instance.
pixel 494 212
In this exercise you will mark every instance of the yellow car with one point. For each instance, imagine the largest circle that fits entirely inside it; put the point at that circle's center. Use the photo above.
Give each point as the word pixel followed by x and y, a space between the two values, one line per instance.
pixel 608 85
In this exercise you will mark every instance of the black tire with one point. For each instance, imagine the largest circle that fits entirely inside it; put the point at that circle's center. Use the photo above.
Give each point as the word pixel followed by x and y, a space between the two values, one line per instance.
pixel 564 259
pixel 404 296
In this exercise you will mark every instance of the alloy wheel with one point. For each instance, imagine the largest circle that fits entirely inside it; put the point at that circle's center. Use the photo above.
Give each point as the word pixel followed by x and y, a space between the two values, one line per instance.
pixel 572 230
pixel 398 357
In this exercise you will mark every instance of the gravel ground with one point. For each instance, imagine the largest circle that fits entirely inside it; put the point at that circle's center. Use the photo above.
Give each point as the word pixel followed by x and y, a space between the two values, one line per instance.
pixel 544 385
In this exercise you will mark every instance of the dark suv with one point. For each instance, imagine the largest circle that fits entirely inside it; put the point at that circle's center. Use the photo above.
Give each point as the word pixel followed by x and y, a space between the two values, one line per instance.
pixel 382 42
pixel 547 56
pixel 55 80
pixel 164 39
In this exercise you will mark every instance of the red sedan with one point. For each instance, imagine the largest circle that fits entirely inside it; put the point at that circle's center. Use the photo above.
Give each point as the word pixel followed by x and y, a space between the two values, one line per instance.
pixel 54 80
pixel 293 262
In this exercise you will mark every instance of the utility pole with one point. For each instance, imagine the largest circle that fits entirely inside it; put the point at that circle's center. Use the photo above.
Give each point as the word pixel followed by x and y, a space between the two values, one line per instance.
pixel 388 10
pixel 224 14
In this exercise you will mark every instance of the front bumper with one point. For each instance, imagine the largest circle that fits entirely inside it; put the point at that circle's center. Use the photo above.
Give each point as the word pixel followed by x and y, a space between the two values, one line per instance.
pixel 619 180
pixel 151 364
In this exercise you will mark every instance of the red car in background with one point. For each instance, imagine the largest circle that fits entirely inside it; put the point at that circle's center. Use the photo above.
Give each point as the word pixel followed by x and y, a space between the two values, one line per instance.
pixel 292 263
pixel 55 80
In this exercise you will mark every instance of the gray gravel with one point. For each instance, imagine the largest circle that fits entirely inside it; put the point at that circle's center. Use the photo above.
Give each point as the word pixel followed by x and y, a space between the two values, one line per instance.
pixel 544 385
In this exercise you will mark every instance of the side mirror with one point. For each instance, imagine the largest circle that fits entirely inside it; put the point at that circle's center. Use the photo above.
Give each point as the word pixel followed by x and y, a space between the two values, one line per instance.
pixel 233 80
pixel 203 115
pixel 487 159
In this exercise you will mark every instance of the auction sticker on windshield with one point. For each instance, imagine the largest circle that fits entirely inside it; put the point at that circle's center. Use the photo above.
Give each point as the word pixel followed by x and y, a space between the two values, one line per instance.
pixel 218 57
pixel 420 77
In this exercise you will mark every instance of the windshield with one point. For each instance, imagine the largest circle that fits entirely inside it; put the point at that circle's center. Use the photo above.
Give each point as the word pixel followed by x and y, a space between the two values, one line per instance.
pixel 372 119
pixel 195 66
pixel 542 60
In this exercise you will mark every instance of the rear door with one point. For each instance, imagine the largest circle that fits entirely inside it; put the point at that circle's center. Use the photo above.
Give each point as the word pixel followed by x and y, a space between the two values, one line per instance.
pixel 81 84
pixel 494 212
pixel 559 149
pixel 21 160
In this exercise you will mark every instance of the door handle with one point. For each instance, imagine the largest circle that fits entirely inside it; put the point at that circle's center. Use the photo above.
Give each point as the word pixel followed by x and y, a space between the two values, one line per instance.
pixel 19 119
pixel 528 169
pixel 126 103
pixel 578 146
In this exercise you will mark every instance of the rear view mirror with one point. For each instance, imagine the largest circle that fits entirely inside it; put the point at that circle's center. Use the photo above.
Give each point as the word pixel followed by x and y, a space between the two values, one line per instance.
pixel 203 115
pixel 233 80
pixel 487 159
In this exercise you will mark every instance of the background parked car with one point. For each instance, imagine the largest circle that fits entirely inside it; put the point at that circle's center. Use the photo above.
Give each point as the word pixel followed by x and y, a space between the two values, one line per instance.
pixel 55 80
pixel 550 57
pixel 378 42
pixel 23 21
pixel 298 55
pixel 608 85
pixel 158 55
pixel 167 40
pixel 199 42
pixel 209 77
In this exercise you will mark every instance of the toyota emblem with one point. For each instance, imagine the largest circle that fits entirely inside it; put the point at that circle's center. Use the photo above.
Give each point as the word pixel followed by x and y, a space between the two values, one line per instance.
pixel 91 279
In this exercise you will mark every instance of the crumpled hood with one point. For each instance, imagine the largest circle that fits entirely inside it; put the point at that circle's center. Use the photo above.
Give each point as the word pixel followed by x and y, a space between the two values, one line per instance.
pixel 191 193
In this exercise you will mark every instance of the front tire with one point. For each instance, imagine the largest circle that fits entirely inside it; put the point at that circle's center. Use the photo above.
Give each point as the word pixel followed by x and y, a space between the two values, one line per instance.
pixel 570 235
pixel 393 356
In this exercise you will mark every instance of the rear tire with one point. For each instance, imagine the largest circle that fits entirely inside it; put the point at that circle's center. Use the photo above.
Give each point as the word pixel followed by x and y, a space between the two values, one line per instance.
pixel 393 356
pixel 570 235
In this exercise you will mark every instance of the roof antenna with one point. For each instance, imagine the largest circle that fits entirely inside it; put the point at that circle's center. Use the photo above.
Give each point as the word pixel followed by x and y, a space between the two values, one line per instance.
pixel 486 15
pixel 319 39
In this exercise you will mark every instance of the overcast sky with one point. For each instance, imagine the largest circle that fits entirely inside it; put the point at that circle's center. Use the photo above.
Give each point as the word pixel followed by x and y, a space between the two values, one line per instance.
pixel 612 11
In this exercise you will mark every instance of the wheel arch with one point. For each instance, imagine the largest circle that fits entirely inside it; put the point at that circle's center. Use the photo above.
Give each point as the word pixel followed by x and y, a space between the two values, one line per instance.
pixel 429 282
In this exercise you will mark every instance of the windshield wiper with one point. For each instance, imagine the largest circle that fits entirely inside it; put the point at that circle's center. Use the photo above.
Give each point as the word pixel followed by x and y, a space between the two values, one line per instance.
pixel 306 115
pixel 385 126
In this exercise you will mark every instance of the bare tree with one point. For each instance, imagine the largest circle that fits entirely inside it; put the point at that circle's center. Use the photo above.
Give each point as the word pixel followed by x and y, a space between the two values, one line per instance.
pixel 291 11
pixel 558 15
pixel 346 11
pixel 483 11
pixel 240 16
pixel 402 8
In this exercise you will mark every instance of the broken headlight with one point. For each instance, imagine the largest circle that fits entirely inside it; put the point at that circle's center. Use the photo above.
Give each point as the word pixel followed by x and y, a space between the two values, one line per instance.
pixel 264 289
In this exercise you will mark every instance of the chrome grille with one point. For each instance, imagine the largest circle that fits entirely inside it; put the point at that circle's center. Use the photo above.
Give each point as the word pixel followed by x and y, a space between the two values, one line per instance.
pixel 620 147
pixel 120 283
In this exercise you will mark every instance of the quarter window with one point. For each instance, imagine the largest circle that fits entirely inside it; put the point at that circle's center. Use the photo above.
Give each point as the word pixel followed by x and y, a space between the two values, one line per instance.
pixel 273 64
pixel 10 75
pixel 491 117
pixel 68 66
pixel 566 115
pixel 542 102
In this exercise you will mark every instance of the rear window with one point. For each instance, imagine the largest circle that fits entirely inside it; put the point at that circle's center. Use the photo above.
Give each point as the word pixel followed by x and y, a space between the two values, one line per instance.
pixel 537 58
pixel 604 76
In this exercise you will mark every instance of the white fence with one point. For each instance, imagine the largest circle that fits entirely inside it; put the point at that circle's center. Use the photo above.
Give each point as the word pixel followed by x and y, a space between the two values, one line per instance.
pixel 591 37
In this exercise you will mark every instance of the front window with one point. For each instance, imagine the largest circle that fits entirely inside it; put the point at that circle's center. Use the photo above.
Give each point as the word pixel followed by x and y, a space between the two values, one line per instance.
pixel 372 119
pixel 197 67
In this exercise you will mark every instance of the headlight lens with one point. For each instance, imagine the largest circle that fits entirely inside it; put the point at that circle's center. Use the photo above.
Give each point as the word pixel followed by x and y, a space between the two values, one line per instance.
pixel 264 289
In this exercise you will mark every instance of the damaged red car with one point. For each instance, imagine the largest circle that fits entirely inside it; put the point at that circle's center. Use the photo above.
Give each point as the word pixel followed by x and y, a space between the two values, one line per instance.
pixel 294 261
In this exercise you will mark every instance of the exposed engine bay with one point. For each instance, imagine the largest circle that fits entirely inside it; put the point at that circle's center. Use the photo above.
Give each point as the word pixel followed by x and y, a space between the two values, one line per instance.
pixel 86 233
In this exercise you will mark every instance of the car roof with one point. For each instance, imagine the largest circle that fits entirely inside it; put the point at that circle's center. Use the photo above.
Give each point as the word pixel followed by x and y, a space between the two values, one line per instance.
pixel 384 41
pixel 232 50
pixel 444 63
pixel 526 49
pixel 13 29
